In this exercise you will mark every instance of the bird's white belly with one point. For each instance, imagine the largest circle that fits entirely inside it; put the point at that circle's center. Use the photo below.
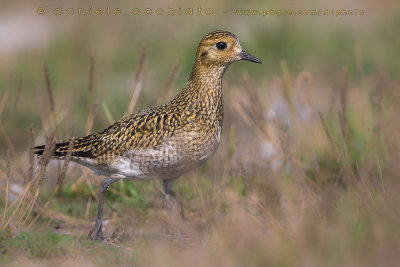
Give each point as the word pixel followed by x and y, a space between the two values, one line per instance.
pixel 169 160
pixel 148 164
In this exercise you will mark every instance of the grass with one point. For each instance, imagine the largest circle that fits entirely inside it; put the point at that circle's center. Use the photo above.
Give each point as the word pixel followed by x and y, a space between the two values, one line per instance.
pixel 47 245
pixel 306 173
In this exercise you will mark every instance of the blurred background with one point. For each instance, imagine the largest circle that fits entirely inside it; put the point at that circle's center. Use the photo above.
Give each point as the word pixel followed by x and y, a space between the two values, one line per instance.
pixel 321 44
pixel 306 173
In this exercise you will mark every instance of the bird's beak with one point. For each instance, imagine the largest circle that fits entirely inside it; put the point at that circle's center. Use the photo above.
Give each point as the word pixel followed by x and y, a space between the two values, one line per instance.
pixel 246 56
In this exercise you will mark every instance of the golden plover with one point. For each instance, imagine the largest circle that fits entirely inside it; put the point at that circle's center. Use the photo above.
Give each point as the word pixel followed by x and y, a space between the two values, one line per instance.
pixel 165 141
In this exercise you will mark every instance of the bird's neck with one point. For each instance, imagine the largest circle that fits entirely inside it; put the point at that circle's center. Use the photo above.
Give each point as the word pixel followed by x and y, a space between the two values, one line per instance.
pixel 206 82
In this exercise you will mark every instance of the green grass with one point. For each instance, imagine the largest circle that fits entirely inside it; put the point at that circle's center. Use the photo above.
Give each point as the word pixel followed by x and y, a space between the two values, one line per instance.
pixel 41 245
pixel 44 245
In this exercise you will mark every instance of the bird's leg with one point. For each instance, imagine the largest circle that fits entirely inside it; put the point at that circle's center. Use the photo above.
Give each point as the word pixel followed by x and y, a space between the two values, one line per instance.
pixel 96 231
pixel 167 193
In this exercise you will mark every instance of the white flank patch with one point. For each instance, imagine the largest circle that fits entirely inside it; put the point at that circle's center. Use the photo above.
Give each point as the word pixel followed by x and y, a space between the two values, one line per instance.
pixel 218 136
pixel 127 168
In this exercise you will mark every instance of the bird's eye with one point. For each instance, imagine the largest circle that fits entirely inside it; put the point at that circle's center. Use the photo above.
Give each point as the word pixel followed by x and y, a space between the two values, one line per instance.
pixel 221 45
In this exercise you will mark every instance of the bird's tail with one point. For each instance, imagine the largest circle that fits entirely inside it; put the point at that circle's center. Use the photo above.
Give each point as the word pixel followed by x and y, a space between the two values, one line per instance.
pixel 81 147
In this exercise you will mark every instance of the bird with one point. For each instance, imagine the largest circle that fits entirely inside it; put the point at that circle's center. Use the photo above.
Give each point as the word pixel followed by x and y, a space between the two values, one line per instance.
pixel 165 141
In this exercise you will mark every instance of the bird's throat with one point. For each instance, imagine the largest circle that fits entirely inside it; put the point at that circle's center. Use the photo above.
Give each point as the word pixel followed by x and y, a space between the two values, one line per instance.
pixel 205 80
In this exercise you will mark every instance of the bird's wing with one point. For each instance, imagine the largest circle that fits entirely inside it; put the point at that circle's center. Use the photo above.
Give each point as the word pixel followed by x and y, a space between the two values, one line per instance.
pixel 142 130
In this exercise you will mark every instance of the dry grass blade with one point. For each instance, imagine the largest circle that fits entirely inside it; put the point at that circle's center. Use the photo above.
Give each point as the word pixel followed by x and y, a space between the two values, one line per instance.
pixel 50 94
pixel 199 192
pixel 255 202
pixel 25 212
pixel 380 176
pixel 376 100
pixel 240 108
pixel 66 163
pixel 60 180
pixel 256 108
pixel 344 92
pixel 31 154
pixel 48 87
pixel 8 175
pixel 4 99
pixel 17 96
pixel 332 99
pixel 11 146
pixel 55 215
pixel 288 88
pixel 44 161
pixel 12 218
pixel 343 128
pixel 107 112
pixel 45 158
pixel 137 83
pixel 91 73
pixel 326 130
pixel 379 91
pixel 359 61
pixel 19 210
pixel 91 116
pixel 88 204
pixel 90 108
pixel 168 84
pixel 305 94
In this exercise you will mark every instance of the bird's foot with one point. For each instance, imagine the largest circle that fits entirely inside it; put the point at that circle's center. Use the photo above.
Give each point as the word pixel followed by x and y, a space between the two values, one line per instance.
pixel 96 232
pixel 167 204
pixel 172 214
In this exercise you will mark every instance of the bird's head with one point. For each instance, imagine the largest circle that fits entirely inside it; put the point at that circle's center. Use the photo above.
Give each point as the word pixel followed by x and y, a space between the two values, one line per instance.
pixel 220 48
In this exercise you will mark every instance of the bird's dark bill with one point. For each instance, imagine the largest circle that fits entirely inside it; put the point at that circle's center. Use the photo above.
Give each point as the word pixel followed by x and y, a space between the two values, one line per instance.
pixel 246 56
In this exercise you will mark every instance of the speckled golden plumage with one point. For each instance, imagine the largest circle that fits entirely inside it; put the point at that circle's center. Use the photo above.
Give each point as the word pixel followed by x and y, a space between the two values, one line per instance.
pixel 163 142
